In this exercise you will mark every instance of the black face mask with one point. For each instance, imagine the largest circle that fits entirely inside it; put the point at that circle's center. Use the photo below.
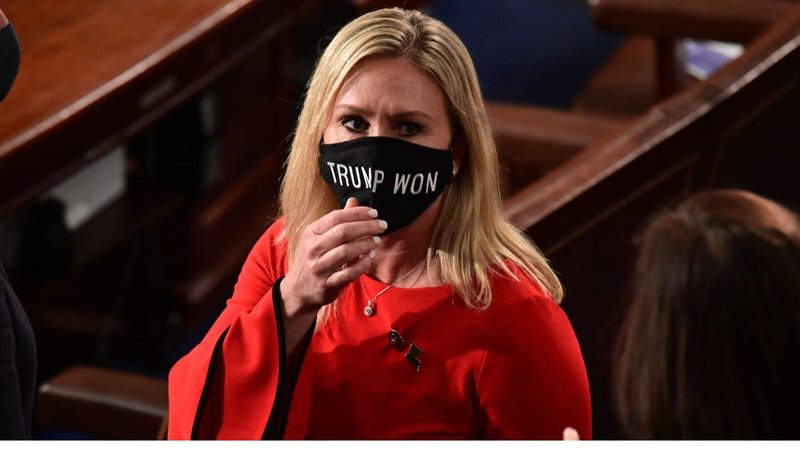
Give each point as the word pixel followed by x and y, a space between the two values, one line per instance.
pixel 398 178
pixel 9 59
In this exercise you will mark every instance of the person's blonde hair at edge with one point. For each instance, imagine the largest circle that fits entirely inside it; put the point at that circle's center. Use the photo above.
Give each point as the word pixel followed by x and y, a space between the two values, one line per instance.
pixel 471 238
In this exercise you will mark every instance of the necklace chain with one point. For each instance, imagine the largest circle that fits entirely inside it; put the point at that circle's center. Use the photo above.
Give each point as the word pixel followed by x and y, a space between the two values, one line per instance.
pixel 369 310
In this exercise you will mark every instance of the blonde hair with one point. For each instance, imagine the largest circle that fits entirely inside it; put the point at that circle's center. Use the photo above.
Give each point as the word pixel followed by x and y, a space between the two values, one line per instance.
pixel 472 238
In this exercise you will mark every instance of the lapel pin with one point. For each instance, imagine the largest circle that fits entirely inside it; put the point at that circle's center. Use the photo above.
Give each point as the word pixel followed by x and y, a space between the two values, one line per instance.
pixel 396 340
pixel 413 356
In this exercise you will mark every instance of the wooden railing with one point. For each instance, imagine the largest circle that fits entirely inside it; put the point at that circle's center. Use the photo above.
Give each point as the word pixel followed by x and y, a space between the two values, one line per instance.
pixel 734 129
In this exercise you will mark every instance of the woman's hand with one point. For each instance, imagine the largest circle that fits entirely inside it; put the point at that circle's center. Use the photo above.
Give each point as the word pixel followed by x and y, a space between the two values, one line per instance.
pixel 571 434
pixel 334 251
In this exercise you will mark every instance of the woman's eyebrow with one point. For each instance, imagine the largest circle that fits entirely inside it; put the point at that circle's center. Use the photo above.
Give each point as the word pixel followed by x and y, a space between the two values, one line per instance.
pixel 367 113
pixel 355 109
pixel 413 112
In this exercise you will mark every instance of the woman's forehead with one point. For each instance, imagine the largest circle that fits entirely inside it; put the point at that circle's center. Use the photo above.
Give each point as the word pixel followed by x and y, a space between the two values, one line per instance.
pixel 393 84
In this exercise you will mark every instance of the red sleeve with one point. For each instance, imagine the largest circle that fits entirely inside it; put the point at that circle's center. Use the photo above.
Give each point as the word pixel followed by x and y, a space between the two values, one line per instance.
pixel 231 377
pixel 533 381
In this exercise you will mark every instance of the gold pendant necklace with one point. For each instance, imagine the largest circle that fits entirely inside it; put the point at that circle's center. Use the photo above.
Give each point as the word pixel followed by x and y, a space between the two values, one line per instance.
pixel 371 307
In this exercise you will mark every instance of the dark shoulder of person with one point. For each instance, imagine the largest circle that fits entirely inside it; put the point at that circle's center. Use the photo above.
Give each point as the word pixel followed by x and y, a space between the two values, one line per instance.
pixel 17 365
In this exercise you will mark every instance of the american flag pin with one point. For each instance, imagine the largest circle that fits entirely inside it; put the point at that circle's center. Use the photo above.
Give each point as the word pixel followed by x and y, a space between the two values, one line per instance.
pixel 413 356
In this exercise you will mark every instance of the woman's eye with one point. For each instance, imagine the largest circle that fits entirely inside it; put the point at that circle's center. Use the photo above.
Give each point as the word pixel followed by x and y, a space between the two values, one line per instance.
pixel 409 129
pixel 354 123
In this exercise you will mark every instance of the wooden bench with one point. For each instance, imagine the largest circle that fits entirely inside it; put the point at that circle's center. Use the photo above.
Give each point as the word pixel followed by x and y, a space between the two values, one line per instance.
pixel 98 75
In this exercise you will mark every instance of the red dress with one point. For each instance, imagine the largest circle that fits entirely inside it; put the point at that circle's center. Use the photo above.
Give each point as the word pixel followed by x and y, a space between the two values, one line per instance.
pixel 513 371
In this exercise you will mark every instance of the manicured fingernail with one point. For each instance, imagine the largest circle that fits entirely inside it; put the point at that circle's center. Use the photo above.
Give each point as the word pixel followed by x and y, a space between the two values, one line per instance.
pixel 372 254
pixel 383 224
pixel 373 213
pixel 377 240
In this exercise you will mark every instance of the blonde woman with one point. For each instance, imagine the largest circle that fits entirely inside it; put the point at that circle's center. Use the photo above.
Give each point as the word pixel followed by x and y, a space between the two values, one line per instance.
pixel 392 299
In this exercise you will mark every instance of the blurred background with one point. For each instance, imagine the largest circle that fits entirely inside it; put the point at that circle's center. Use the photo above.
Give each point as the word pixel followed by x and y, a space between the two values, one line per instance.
pixel 142 145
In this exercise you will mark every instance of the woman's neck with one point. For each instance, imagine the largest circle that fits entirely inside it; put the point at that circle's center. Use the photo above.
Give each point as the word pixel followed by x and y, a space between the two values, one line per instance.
pixel 401 256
